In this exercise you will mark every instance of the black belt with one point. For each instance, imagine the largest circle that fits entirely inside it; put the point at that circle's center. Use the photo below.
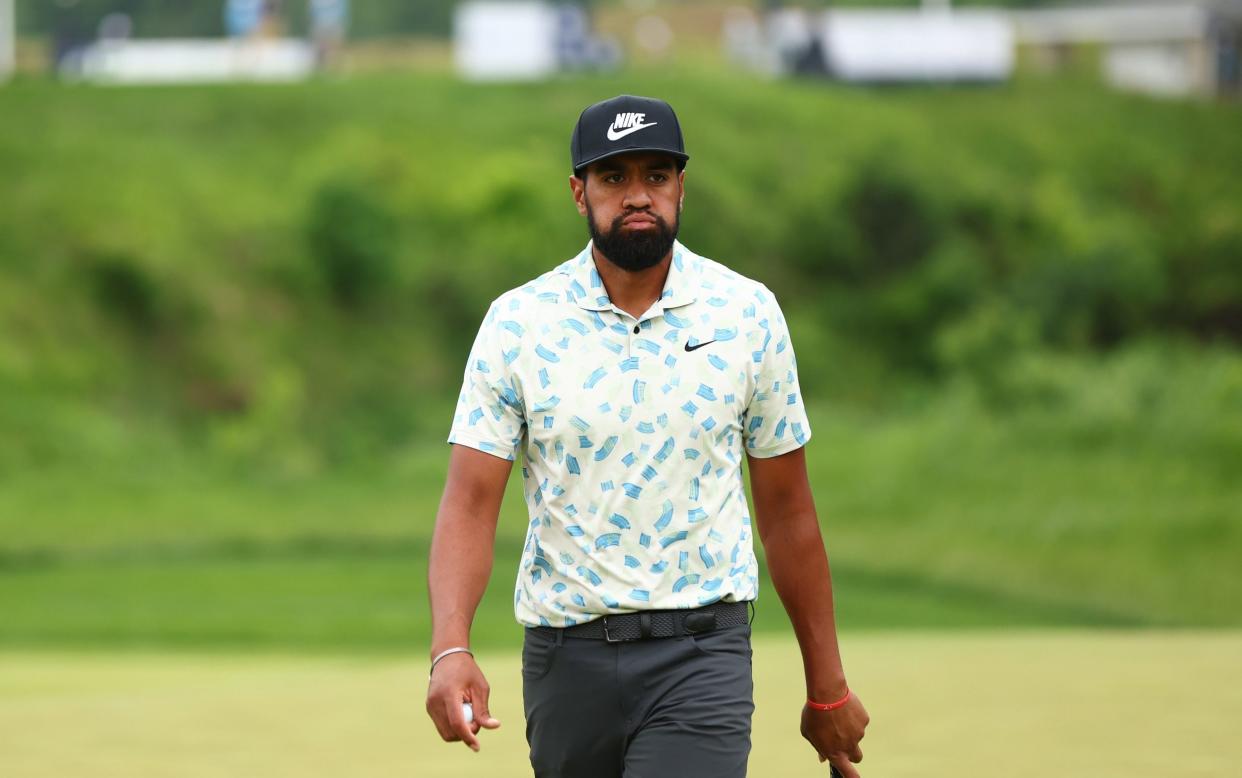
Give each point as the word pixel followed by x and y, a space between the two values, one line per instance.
pixel 621 627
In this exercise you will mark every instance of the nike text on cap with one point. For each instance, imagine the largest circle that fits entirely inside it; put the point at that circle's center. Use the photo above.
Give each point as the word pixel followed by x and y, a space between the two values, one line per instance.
pixel 623 124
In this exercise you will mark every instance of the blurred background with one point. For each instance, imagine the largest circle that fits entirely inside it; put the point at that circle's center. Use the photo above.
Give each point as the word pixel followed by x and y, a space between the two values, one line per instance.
pixel 245 246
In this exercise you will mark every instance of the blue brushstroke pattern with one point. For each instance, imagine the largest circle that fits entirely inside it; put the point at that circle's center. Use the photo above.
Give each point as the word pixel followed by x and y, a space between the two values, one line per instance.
pixel 546 405
pixel 666 516
pixel 669 540
pixel 607 539
pixel 676 321
pixel 593 379
pixel 684 581
pixel 708 561
pixel 606 449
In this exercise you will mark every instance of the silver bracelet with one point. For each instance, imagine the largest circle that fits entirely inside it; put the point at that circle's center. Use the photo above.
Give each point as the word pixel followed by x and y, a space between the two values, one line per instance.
pixel 444 653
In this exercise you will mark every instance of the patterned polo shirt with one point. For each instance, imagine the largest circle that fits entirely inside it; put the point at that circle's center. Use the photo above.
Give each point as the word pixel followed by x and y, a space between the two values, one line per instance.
pixel 632 433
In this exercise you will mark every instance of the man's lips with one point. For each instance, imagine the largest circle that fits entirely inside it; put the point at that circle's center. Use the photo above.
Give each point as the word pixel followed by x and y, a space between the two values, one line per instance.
pixel 639 220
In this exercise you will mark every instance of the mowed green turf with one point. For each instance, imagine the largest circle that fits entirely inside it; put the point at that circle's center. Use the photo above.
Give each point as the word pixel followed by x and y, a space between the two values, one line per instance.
pixel 937 520
pixel 1018 704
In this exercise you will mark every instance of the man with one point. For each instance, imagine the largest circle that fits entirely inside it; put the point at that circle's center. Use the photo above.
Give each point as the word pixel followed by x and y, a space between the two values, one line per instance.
pixel 631 378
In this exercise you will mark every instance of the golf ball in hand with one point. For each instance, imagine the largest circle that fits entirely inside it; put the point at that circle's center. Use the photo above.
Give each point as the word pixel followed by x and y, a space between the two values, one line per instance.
pixel 468 711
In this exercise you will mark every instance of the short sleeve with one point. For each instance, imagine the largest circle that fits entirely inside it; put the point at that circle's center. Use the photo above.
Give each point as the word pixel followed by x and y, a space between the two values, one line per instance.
pixel 775 421
pixel 490 413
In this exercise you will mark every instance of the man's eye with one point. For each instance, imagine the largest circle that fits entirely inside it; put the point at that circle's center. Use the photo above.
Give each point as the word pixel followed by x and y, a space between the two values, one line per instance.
pixel 659 178
pixel 612 178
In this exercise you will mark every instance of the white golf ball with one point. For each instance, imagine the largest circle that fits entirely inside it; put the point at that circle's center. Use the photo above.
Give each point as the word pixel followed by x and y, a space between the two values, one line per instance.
pixel 468 710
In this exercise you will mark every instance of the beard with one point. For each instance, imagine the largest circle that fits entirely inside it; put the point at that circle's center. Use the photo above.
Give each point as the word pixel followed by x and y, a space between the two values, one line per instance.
pixel 636 251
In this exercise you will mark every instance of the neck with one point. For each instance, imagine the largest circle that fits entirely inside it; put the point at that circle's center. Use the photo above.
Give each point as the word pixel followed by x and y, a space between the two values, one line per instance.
pixel 632 292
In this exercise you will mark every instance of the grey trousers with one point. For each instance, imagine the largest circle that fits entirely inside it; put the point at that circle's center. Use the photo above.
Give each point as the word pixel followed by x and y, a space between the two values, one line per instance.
pixel 675 707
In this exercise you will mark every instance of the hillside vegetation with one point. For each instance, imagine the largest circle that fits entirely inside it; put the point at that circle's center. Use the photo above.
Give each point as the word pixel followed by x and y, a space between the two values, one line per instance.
pixel 233 320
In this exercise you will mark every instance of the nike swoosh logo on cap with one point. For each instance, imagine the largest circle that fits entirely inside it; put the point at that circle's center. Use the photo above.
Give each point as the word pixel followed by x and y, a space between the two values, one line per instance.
pixel 614 135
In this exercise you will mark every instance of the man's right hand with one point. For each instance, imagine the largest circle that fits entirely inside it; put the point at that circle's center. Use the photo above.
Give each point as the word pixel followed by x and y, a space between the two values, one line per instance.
pixel 836 734
pixel 457 679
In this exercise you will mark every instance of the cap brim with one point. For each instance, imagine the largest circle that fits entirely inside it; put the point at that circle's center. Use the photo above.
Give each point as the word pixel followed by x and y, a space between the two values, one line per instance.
pixel 678 155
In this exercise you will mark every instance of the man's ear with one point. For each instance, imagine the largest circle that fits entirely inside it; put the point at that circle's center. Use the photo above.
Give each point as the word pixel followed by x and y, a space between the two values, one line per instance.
pixel 578 187
pixel 681 180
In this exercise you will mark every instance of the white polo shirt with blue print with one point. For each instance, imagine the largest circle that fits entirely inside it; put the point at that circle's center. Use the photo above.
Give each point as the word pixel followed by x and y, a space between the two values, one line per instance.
pixel 632 433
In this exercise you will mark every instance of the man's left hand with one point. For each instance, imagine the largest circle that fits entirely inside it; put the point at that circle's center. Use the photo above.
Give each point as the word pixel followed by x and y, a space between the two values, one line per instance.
pixel 835 734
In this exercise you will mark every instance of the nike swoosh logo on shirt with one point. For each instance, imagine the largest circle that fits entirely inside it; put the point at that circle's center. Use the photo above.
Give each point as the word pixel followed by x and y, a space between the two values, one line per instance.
pixel 614 135
pixel 698 345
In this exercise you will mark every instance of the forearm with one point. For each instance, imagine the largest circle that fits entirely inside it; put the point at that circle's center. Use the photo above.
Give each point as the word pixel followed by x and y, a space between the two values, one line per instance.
pixel 459 568
pixel 798 566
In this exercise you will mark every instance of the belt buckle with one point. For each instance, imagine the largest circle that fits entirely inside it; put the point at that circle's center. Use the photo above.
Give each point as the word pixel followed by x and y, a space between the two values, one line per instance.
pixel 698 623
pixel 607 636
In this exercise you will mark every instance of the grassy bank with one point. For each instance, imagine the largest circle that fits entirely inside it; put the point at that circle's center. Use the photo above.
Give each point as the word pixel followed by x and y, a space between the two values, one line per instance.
pixel 233 320
pixel 948 515
pixel 289 275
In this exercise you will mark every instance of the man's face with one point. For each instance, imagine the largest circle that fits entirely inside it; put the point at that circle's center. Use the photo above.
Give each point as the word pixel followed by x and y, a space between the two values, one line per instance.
pixel 633 207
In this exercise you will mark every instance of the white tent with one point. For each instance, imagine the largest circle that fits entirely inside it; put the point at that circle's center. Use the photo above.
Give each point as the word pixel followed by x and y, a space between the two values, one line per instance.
pixel 931 45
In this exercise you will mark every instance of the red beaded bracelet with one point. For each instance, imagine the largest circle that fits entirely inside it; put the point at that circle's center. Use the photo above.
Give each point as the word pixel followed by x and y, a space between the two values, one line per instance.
pixel 829 705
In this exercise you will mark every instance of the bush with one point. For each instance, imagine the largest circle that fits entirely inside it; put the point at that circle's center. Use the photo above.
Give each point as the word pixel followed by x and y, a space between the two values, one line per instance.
pixel 125 292
pixel 352 239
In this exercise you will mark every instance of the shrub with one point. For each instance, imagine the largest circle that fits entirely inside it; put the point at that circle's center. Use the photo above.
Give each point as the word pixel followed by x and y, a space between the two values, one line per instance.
pixel 352 239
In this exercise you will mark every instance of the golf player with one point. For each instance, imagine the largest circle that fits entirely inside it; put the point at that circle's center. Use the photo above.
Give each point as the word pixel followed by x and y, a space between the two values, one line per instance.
pixel 633 379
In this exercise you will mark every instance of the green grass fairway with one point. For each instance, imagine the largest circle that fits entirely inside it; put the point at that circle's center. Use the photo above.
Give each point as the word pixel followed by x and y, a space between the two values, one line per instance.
pixel 1014 704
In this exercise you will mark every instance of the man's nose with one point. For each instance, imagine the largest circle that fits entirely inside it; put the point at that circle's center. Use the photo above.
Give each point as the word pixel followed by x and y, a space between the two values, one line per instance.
pixel 637 196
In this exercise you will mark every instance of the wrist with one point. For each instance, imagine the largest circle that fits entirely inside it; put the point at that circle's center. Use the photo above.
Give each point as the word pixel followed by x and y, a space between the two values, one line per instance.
pixel 827 688
pixel 825 705
pixel 445 654
pixel 452 642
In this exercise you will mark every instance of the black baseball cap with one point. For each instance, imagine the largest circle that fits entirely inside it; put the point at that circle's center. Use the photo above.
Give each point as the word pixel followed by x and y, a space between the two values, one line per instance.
pixel 623 124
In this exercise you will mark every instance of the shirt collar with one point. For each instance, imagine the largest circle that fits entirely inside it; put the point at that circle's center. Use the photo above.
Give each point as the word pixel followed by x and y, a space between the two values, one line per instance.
pixel 586 288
